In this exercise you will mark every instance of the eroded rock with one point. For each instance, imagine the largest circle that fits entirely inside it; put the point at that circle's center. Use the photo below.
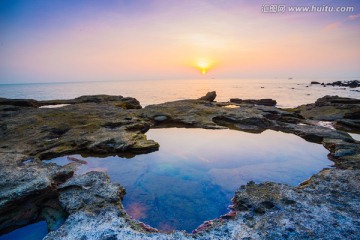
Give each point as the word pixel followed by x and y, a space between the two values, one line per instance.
pixel 323 207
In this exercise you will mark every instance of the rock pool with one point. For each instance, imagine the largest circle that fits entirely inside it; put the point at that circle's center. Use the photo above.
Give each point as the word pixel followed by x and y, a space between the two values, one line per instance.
pixel 33 231
pixel 194 175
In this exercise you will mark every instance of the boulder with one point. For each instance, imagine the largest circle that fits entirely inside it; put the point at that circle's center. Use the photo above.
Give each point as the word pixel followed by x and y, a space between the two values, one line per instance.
pixel 210 97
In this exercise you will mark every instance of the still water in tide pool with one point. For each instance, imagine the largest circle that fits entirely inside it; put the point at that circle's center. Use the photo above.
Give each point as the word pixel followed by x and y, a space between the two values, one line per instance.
pixel 35 231
pixel 194 175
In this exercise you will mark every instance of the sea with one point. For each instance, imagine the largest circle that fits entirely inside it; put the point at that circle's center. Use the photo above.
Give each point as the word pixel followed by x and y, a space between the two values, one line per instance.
pixel 287 92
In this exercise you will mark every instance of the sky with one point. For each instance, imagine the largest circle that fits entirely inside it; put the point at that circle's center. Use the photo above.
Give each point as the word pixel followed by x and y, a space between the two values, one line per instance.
pixel 114 40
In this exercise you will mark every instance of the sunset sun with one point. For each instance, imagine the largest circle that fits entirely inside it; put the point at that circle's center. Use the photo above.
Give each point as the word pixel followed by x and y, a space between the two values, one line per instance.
pixel 203 65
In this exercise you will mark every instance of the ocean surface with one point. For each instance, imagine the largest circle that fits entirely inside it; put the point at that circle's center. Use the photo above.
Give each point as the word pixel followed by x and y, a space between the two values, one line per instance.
pixel 287 92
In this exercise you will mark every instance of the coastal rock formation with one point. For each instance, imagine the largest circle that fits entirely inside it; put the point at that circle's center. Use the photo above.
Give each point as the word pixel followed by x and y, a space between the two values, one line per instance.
pixel 323 207
pixel 210 97
pixel 265 102
pixel 119 101
pixel 343 112
pixel 349 84
pixel 27 187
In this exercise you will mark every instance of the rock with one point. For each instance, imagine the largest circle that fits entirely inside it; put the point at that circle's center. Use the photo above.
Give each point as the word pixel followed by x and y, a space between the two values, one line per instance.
pixel 345 111
pixel 324 207
pixel 333 100
pixel 265 102
pixel 119 101
pixel 314 133
pixel 90 191
pixel 26 189
pixel 314 82
pixel 298 208
pixel 350 84
pixel 210 97
pixel 347 125
pixel 19 102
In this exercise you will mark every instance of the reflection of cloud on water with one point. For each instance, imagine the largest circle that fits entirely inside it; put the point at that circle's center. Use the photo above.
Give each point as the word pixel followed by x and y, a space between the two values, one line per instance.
pixel 166 227
pixel 96 169
pixel 137 210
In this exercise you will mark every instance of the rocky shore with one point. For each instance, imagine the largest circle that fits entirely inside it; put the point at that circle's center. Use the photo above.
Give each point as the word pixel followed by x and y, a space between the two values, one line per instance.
pixel 324 207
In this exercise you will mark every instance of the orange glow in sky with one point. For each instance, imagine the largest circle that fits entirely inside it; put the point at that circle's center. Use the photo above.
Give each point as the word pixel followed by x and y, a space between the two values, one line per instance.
pixel 230 39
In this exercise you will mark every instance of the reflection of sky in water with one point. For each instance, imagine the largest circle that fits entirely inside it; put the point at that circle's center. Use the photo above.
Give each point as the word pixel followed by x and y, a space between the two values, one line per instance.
pixel 355 136
pixel 30 232
pixel 196 171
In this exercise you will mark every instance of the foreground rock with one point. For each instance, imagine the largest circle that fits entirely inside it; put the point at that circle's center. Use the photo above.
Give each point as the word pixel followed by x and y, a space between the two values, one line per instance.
pixel 317 209
pixel 324 207
pixel 29 191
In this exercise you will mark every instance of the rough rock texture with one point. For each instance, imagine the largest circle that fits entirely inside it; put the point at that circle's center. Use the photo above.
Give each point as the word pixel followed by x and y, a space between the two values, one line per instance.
pixel 91 190
pixel 343 112
pixel 318 209
pixel 90 127
pixel 324 207
pixel 120 101
pixel 265 102
pixel 27 187
pixel 210 97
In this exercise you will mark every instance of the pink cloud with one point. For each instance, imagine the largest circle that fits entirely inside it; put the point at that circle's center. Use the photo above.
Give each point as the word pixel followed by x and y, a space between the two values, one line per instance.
pixel 353 17
pixel 332 26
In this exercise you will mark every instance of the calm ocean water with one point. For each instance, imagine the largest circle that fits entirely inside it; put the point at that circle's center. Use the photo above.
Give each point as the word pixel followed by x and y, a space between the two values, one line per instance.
pixel 288 93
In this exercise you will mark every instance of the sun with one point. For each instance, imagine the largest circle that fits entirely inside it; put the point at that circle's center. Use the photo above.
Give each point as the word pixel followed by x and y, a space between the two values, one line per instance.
pixel 203 65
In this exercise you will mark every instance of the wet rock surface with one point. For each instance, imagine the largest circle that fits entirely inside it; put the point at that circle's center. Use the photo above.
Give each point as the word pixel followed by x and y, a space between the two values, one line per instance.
pixel 323 207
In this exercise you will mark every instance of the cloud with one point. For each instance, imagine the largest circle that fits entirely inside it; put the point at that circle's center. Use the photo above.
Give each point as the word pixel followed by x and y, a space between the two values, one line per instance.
pixel 353 17
pixel 332 26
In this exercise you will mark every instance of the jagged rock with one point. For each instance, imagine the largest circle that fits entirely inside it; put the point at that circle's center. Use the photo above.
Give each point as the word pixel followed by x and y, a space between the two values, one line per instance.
pixel 210 97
